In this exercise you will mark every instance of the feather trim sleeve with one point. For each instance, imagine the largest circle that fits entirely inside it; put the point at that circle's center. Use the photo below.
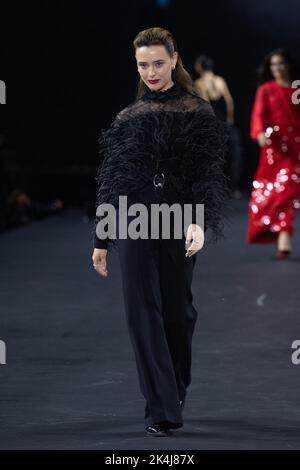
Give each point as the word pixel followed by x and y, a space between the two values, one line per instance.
pixel 207 141
pixel 124 167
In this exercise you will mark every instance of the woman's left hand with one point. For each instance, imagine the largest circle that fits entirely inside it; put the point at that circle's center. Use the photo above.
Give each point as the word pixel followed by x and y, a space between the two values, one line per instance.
pixel 194 236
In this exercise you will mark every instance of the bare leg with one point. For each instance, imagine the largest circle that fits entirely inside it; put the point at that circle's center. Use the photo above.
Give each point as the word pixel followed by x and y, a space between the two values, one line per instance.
pixel 284 241
pixel 283 245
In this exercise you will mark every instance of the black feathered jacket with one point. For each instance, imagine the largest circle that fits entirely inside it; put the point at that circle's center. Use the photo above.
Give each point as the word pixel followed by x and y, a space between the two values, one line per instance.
pixel 172 132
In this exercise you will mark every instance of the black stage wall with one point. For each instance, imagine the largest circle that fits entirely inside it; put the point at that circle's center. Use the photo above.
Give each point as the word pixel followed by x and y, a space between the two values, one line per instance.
pixel 69 67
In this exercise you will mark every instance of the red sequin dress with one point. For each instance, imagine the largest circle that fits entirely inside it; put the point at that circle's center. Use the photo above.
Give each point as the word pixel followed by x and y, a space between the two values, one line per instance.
pixel 276 188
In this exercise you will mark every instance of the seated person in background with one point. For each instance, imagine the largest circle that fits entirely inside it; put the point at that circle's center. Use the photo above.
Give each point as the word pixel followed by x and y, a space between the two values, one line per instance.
pixel 21 209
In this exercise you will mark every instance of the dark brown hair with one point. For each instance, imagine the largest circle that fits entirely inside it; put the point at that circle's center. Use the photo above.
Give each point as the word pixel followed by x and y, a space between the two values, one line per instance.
pixel 264 73
pixel 161 37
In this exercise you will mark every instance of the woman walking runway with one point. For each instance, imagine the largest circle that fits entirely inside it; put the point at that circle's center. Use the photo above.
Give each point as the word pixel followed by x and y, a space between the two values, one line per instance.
pixel 166 147
pixel 275 124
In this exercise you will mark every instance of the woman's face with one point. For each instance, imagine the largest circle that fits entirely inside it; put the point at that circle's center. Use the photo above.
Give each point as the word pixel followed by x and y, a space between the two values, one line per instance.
pixel 279 68
pixel 155 66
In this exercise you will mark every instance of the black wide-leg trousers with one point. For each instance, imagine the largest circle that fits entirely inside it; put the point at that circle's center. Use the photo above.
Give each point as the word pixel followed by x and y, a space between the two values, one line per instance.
pixel 157 279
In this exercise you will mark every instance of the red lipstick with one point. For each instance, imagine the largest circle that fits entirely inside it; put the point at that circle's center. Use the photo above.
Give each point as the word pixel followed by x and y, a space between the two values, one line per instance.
pixel 153 81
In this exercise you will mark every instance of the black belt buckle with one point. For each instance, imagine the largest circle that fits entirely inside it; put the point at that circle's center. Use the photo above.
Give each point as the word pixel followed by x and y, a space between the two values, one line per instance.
pixel 159 180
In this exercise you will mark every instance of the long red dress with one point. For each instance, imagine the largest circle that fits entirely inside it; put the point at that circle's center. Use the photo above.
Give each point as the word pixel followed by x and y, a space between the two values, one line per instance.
pixel 276 190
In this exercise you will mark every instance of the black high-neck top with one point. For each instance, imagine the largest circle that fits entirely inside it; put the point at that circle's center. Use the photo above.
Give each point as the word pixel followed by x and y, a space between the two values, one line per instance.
pixel 156 95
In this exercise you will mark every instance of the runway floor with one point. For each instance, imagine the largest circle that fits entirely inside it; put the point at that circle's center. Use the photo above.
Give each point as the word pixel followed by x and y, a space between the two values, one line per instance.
pixel 70 380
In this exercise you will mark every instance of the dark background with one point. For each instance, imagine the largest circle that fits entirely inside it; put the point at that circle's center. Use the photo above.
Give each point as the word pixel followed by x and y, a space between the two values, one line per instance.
pixel 69 67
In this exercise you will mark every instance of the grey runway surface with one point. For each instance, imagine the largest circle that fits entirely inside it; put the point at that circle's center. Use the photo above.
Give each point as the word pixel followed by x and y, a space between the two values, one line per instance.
pixel 70 380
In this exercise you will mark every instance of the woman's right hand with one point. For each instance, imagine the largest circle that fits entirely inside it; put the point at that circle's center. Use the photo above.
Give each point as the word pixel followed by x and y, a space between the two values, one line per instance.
pixel 261 139
pixel 99 261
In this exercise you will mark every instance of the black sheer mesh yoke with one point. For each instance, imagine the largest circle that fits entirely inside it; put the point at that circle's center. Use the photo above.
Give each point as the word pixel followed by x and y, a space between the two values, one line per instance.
pixel 174 99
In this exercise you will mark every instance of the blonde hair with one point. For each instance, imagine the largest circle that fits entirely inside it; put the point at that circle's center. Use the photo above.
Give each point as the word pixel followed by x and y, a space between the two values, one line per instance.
pixel 162 37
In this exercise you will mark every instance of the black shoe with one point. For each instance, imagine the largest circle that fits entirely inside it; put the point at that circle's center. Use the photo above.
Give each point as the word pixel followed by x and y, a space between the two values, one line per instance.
pixel 158 430
pixel 168 425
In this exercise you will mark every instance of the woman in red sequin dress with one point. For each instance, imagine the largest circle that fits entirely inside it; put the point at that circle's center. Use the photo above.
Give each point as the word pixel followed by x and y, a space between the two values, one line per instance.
pixel 275 125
